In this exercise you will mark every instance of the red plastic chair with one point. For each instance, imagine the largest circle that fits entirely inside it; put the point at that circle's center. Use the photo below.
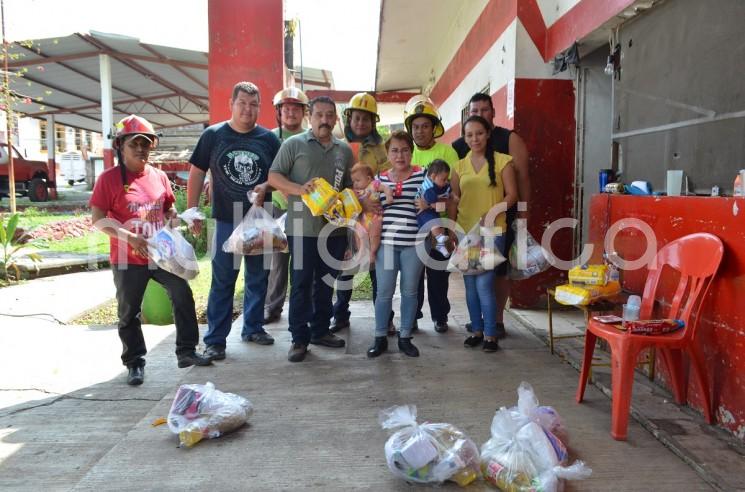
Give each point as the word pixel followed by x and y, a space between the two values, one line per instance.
pixel 696 257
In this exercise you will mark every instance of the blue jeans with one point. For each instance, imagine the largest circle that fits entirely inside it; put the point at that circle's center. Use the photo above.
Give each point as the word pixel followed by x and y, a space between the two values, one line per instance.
pixel 220 302
pixel 311 286
pixel 481 301
pixel 390 261
pixel 481 297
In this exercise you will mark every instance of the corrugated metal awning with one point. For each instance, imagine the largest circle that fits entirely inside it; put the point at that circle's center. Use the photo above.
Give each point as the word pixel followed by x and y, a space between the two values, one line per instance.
pixel 60 77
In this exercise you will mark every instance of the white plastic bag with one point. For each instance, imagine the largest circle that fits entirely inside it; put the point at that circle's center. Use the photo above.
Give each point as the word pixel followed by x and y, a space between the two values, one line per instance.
pixel 524 454
pixel 199 411
pixel 190 215
pixel 257 234
pixel 428 453
pixel 477 252
pixel 532 262
pixel 171 252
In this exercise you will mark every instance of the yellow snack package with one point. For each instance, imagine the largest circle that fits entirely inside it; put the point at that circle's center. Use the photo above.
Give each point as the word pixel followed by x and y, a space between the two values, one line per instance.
pixel 350 203
pixel 582 295
pixel 321 198
pixel 589 275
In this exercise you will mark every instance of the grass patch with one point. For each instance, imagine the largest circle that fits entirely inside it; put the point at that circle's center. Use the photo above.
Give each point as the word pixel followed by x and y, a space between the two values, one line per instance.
pixel 362 290
pixel 200 286
pixel 95 243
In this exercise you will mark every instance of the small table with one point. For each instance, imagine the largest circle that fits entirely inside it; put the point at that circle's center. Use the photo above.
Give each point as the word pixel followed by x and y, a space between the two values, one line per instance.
pixel 602 305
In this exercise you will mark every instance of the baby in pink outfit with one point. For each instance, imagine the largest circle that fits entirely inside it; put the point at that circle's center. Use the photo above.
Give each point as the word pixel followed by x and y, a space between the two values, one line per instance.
pixel 366 186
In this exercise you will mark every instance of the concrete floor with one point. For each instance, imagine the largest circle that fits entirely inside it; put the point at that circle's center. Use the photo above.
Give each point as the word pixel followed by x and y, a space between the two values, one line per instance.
pixel 315 423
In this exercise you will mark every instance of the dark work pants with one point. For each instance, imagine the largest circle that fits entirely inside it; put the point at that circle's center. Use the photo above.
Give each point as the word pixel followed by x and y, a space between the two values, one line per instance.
pixel 341 306
pixel 311 286
pixel 130 289
pixel 437 290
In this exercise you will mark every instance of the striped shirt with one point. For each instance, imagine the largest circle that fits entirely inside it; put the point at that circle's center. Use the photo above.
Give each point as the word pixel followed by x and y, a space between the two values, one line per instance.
pixel 399 218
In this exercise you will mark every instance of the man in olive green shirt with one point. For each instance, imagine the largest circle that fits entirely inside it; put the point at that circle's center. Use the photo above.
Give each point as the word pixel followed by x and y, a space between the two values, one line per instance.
pixel 315 153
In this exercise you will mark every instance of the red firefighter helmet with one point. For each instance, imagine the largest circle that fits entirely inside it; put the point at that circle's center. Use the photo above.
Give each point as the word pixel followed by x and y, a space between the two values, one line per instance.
pixel 134 125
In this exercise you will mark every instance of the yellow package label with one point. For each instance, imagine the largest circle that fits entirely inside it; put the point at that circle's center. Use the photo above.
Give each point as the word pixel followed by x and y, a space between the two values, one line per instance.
pixel 582 295
pixel 589 274
pixel 190 438
pixel 321 198
pixel 464 476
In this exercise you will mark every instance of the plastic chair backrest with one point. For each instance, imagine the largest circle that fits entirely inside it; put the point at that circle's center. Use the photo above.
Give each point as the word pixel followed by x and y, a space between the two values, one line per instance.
pixel 696 257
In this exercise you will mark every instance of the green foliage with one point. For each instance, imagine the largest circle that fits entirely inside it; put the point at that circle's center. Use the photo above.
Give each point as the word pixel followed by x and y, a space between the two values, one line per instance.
pixel 199 243
pixel 11 248
pixel 32 212
pixel 384 131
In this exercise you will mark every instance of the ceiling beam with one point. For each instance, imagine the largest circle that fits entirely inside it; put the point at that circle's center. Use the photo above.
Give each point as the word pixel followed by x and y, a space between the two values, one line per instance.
pixel 76 56
pixel 116 102
pixel 95 79
pixel 380 97
pixel 174 66
pixel 138 68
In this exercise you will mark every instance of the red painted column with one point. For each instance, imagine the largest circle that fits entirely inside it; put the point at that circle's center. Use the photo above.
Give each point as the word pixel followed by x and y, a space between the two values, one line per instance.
pixel 246 43
pixel 544 118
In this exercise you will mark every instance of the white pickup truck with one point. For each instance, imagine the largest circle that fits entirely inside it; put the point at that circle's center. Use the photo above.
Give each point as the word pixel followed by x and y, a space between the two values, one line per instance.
pixel 71 167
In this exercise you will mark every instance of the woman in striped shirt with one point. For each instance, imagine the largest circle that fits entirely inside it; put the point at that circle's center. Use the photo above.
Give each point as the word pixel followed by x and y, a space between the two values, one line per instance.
pixel 397 251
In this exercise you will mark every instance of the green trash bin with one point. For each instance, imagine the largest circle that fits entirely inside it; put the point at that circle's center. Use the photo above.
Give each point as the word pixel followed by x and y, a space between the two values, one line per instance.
pixel 156 305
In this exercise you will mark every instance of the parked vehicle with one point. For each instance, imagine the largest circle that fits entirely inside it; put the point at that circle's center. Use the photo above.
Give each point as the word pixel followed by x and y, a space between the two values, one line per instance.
pixel 31 177
pixel 71 167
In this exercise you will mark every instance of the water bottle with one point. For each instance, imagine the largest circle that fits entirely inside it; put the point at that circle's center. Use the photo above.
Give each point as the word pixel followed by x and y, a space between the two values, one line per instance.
pixel 739 184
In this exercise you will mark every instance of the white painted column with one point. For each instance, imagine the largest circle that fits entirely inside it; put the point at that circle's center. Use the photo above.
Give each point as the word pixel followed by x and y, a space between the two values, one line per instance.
pixel 107 110
pixel 51 161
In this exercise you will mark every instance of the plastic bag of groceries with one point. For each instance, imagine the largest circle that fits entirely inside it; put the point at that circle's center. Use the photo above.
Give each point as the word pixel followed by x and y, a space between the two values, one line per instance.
pixel 532 261
pixel 428 453
pixel 524 453
pixel 477 252
pixel 199 411
pixel 257 234
pixel 171 252
pixel 190 215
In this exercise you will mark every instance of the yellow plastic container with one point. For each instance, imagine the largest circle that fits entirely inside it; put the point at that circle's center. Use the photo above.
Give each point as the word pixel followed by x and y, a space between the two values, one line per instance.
pixel 582 295
pixel 589 275
pixel 321 198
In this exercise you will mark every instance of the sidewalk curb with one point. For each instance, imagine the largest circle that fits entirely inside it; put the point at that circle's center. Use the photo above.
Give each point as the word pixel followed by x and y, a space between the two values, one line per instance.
pixel 664 437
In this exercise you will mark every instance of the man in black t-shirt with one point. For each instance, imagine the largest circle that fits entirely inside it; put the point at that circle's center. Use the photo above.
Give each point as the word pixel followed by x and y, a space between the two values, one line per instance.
pixel 238 154
pixel 507 142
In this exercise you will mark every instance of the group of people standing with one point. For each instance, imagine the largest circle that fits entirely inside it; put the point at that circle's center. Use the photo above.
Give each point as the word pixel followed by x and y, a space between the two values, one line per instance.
pixel 408 181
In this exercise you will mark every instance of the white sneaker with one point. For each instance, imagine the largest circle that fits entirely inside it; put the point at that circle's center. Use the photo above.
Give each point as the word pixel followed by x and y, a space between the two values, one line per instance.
pixel 443 250
pixel 441 246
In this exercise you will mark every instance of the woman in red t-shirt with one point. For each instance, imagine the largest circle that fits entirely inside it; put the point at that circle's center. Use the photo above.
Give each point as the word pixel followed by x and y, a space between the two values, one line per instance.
pixel 130 203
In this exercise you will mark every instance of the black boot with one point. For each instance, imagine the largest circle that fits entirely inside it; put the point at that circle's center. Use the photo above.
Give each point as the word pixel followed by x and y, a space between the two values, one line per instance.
pixel 136 375
pixel 408 348
pixel 380 345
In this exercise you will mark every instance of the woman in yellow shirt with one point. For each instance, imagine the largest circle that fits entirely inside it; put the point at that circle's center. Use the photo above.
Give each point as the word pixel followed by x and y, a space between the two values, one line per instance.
pixel 481 181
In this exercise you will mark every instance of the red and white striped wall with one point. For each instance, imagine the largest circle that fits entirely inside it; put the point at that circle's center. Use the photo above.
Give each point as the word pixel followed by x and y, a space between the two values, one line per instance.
pixel 509 48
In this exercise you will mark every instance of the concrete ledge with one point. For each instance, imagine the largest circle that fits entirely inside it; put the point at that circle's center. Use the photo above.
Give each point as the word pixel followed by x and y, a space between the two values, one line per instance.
pixel 58 263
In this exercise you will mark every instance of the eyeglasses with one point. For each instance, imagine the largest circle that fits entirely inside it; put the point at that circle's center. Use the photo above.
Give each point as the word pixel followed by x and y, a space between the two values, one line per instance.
pixel 401 151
